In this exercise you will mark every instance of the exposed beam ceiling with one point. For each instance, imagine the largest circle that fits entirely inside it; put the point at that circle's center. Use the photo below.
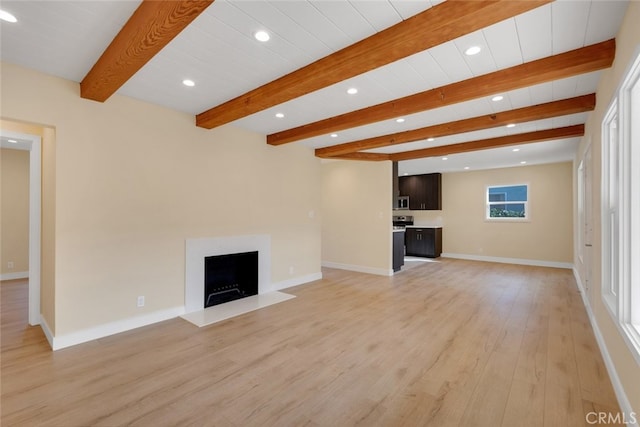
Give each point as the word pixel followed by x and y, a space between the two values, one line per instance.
pixel 391 51
pixel 151 27
pixel 578 104
pixel 578 61
pixel 430 28
pixel 465 147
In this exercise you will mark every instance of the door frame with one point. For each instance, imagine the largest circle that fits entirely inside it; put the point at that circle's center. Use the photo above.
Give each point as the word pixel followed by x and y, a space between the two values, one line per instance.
pixel 34 146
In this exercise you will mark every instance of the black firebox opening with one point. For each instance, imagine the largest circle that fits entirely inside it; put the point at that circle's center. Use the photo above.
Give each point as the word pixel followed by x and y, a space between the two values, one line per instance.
pixel 230 277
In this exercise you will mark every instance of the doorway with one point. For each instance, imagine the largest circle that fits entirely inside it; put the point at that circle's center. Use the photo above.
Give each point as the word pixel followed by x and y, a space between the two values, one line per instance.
pixel 33 144
pixel 585 218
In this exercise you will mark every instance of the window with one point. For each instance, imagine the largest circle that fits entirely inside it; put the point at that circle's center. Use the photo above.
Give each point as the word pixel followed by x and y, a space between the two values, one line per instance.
pixel 621 208
pixel 507 202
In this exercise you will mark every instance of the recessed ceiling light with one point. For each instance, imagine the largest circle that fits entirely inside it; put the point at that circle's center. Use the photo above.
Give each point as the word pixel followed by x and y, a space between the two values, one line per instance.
pixel 511 125
pixel 6 16
pixel 188 82
pixel 400 120
pixel 473 50
pixel 523 162
pixel 497 98
pixel 466 168
pixel 13 141
pixel 262 36
pixel 352 91
pixel 334 135
pixel 445 158
pixel 516 149
pixel 279 115
pixel 431 139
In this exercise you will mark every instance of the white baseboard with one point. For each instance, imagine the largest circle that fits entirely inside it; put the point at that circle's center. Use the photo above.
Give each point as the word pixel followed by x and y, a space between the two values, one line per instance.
pixel 90 334
pixel 101 331
pixel 14 276
pixel 358 268
pixel 520 261
pixel 47 330
pixel 618 389
pixel 278 286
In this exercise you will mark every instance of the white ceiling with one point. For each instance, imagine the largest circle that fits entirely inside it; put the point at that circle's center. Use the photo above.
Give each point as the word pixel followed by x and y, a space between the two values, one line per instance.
pixel 219 53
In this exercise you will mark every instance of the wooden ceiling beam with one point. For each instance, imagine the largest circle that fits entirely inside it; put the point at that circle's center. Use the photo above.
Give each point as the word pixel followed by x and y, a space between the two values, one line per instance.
pixel 151 27
pixel 439 24
pixel 563 107
pixel 372 157
pixel 485 144
pixel 584 60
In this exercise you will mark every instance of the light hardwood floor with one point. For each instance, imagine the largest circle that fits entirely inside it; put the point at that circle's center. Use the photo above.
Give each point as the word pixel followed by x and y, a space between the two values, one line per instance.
pixel 449 343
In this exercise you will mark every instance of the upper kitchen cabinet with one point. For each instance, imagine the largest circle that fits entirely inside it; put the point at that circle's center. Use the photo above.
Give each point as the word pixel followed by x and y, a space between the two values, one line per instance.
pixel 424 191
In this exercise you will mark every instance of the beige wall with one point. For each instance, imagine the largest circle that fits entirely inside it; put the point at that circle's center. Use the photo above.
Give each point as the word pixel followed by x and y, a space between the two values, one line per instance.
pixel 14 228
pixel 548 234
pixel 627 45
pixel 356 215
pixel 133 181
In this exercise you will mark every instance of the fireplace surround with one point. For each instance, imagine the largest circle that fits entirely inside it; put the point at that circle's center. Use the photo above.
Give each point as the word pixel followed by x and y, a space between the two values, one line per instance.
pixel 196 250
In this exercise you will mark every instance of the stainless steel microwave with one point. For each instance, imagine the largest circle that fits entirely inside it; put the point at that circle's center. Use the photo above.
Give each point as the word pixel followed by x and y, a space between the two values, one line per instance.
pixel 402 202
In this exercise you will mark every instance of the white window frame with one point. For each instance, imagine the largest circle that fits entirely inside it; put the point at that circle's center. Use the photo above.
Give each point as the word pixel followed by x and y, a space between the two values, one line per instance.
pixel 488 204
pixel 621 190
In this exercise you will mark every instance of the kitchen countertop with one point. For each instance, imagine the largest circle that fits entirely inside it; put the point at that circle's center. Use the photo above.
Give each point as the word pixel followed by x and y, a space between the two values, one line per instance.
pixel 424 226
pixel 398 230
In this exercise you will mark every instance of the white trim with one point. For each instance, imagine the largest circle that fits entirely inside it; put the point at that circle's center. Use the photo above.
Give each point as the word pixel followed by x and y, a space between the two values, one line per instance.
pixel 112 328
pixel 520 261
pixel 47 330
pixel 35 219
pixel 34 143
pixel 14 276
pixel 358 268
pixel 284 284
pixel 620 246
pixel 618 389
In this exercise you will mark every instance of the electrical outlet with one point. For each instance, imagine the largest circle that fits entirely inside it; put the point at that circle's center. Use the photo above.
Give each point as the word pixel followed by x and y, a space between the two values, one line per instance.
pixel 291 270
pixel 141 301
pixel 10 264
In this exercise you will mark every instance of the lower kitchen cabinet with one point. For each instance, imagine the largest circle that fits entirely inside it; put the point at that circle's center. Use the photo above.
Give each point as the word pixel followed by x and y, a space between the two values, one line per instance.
pixel 398 250
pixel 424 242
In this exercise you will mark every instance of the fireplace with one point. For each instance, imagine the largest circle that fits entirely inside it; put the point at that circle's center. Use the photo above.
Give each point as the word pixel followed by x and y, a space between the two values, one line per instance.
pixel 222 250
pixel 230 277
pixel 198 249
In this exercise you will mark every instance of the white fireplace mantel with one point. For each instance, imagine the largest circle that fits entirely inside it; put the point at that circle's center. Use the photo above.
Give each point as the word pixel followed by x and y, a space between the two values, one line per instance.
pixel 197 249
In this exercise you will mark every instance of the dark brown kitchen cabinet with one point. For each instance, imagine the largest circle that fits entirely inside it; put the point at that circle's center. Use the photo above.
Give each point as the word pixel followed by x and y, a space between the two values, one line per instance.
pixel 398 250
pixel 424 191
pixel 424 242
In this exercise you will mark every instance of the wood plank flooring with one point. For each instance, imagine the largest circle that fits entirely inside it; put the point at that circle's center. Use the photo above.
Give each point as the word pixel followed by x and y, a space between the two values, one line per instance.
pixel 448 343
